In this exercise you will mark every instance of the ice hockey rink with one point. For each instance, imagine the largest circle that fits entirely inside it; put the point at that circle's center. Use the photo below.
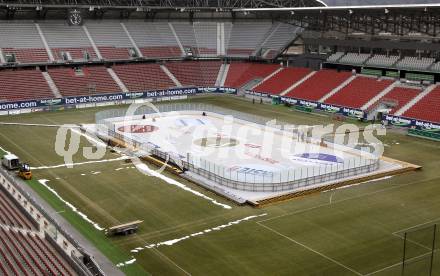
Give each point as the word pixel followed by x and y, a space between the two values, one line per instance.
pixel 236 149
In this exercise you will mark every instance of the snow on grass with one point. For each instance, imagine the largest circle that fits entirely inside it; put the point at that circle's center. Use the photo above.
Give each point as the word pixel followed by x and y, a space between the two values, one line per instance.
pixel 70 205
pixel 144 168
pixel 129 262
pixel 80 163
pixel 203 232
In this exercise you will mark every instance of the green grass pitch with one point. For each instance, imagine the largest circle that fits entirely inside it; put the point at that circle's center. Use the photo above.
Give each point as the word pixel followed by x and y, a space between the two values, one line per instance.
pixel 352 231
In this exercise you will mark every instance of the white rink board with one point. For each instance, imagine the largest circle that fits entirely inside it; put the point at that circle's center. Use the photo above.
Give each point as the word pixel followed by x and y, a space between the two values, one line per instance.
pixel 237 150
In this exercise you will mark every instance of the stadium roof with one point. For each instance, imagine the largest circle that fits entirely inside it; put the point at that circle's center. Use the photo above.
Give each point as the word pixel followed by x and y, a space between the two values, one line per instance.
pixel 357 4
pixel 218 5
pixel 332 3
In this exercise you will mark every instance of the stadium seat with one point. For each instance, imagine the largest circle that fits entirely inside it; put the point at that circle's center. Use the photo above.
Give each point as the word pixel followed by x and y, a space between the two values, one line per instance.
pixel 195 73
pixel 415 63
pixel 400 96
pixel 143 77
pixel 358 92
pixel 246 37
pixel 277 39
pixel 382 60
pixel 335 57
pixel 14 88
pixel 62 38
pixel 319 85
pixel 83 81
pixel 206 38
pixel 427 108
pixel 242 73
pixel 22 40
pixel 24 253
pixel 282 80
pixel 111 39
pixel 353 58
pixel 154 39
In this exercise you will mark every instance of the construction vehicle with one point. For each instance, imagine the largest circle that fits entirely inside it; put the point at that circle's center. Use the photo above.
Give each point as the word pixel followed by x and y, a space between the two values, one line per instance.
pixel 11 162
pixel 25 171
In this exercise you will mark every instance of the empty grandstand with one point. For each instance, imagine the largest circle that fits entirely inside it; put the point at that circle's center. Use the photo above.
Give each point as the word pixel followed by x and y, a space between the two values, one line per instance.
pixel 25 249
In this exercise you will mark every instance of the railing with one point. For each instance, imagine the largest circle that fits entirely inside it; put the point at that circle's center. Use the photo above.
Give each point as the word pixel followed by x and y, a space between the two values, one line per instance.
pixel 276 182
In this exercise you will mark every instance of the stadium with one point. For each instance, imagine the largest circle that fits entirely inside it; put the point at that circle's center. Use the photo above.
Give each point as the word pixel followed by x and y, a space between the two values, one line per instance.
pixel 247 137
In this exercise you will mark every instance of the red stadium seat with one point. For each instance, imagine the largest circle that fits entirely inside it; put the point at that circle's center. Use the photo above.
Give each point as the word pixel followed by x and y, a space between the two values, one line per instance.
pixel 14 88
pixel 428 108
pixel 358 92
pixel 319 85
pixel 89 80
pixel 142 77
pixel 195 73
pixel 241 73
pixel 28 55
pixel 401 96
pixel 282 80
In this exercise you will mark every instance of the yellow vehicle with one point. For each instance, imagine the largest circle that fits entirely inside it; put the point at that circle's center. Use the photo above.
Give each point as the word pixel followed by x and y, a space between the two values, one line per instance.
pixel 25 172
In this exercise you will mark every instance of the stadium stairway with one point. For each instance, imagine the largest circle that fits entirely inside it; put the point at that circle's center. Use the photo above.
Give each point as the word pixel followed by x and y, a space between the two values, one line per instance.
pixel 427 108
pixel 55 91
pixel 92 42
pixel 267 77
pixel 173 31
pixel 298 83
pixel 135 46
pixel 2 57
pixel 358 92
pixel 110 39
pixel 338 88
pixel 143 76
pixel 221 74
pixel 318 85
pixel 241 73
pixel 13 88
pixel 46 45
pixel 117 80
pixel 282 80
pixel 415 100
pixel 171 76
pixel 85 81
pixel 399 95
pixel 379 96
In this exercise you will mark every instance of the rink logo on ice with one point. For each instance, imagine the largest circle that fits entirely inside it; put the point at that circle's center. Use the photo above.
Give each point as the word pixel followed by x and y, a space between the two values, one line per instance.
pixel 317 158
pixel 257 170
pixel 137 128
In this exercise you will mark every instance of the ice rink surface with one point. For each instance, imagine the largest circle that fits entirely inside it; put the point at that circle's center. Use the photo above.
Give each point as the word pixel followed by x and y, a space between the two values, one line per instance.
pixel 237 149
